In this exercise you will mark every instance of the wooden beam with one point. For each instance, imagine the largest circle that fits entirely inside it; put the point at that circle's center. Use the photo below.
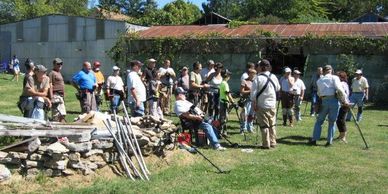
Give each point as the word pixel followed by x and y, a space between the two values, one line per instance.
pixel 16 119
pixel 77 135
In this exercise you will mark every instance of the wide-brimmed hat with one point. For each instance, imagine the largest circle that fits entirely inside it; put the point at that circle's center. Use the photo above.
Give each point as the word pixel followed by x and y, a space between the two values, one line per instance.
pixel 40 68
pixel 297 72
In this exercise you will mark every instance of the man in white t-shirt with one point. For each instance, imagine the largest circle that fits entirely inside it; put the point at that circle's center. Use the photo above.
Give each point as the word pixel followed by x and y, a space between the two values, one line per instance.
pixel 115 89
pixel 360 89
pixel 245 75
pixel 194 117
pixel 167 78
pixel 136 90
pixel 298 90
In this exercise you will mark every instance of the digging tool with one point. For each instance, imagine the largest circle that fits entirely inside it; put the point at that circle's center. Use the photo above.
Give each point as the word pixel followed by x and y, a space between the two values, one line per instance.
pixel 122 151
pixel 194 150
pixel 131 147
pixel 134 137
pixel 358 127
pixel 122 157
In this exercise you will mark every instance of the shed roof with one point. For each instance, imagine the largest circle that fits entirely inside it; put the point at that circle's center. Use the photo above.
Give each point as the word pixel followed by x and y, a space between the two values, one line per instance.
pixel 373 30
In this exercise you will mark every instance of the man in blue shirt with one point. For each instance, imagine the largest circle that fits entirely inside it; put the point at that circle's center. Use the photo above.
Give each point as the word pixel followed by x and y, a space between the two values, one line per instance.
pixel 85 83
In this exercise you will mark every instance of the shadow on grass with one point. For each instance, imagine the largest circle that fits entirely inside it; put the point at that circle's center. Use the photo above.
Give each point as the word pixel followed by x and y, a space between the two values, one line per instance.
pixel 294 140
pixel 376 107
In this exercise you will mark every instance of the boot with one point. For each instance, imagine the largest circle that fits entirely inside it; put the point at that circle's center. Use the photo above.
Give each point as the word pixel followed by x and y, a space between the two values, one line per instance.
pixel 291 120
pixel 284 120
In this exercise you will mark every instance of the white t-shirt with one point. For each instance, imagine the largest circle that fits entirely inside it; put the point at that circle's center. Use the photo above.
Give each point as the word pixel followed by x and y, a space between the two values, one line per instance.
pixel 298 87
pixel 285 84
pixel 134 81
pixel 163 72
pixel 115 82
pixel 183 106
pixel 267 99
pixel 359 85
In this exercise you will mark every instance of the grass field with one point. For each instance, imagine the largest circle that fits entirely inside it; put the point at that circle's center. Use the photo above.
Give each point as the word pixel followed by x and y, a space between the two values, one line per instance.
pixel 293 167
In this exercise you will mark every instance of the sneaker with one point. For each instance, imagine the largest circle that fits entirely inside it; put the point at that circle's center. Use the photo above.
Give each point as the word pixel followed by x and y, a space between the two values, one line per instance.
pixel 312 115
pixel 220 148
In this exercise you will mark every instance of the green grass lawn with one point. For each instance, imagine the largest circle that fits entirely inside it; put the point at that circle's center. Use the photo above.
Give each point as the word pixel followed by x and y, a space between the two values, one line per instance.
pixel 293 167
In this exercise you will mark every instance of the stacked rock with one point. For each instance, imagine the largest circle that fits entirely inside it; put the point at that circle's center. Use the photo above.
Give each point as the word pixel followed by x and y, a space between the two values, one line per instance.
pixel 64 158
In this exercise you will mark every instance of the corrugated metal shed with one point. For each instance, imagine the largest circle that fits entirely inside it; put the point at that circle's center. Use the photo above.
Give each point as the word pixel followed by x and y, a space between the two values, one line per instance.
pixel 373 30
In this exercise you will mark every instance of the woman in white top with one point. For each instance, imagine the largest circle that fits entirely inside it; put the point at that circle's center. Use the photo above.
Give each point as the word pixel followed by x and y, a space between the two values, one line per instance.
pixel 115 89
pixel 214 80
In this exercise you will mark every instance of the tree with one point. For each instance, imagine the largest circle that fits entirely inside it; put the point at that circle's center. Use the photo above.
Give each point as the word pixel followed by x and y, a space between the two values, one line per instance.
pixel 181 12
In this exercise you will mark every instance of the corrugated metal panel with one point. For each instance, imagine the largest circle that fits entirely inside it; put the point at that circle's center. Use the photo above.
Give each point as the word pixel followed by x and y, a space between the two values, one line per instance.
pixel 282 30
pixel 19 32
pixel 44 30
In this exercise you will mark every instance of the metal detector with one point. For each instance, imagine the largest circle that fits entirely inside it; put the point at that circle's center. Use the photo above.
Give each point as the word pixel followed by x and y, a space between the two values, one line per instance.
pixel 195 150
pixel 358 127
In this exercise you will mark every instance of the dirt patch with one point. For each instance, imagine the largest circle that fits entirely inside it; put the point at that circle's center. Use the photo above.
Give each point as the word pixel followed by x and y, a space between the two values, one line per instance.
pixel 43 184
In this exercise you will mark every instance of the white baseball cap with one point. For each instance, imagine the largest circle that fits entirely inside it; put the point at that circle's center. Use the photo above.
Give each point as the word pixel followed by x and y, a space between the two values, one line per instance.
pixel 358 71
pixel 151 60
pixel 297 72
pixel 287 70
pixel 115 68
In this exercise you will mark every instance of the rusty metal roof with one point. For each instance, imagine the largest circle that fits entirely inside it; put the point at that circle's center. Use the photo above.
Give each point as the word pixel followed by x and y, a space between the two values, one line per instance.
pixel 282 30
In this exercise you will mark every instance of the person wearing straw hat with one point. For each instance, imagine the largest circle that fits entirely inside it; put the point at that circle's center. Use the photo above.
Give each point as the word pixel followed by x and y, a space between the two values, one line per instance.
pixel 360 89
pixel 115 89
pixel 298 91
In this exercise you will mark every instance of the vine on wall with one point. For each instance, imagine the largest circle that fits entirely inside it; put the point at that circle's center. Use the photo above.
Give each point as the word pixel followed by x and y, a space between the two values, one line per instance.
pixel 132 46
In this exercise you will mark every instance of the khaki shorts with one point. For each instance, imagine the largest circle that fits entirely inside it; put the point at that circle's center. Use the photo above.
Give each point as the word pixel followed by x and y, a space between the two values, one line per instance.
pixel 266 117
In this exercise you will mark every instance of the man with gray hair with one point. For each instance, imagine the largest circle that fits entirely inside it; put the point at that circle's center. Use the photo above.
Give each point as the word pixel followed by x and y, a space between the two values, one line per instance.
pixel 330 91
pixel 85 82
pixel 263 97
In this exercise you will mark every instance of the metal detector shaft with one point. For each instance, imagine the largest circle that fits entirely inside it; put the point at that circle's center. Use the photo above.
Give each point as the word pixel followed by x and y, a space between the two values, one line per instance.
pixel 215 166
pixel 358 127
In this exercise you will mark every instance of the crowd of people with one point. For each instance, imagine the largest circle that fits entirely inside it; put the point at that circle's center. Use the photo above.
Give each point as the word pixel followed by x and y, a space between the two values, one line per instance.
pixel 202 96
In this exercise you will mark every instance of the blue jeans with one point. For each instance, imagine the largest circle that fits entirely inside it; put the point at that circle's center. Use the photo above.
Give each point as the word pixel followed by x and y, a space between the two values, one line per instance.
pixel 358 99
pixel 247 122
pixel 297 105
pixel 210 134
pixel 115 103
pixel 136 111
pixel 314 100
pixel 330 107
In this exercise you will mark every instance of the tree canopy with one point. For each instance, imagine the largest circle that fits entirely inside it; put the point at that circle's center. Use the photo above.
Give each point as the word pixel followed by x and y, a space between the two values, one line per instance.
pixel 147 12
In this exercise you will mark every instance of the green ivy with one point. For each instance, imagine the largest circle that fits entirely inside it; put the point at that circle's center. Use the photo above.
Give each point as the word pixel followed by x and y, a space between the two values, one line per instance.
pixel 132 46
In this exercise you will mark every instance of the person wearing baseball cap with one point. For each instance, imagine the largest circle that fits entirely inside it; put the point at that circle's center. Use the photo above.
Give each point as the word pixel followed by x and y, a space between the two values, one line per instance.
pixel 287 97
pixel 193 118
pixel 57 91
pixel 137 94
pixel 298 90
pixel 39 92
pixel 184 79
pixel 115 89
pixel 360 91
pixel 225 99
pixel 100 83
